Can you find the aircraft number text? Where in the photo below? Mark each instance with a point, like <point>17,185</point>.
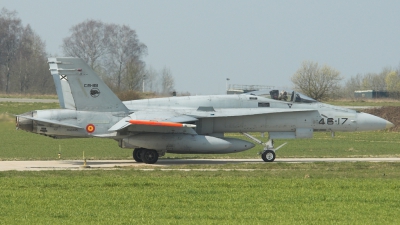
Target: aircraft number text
<point>331,121</point>
<point>91,85</point>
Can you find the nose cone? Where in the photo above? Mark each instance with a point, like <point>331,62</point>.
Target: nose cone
<point>389,124</point>
<point>367,122</point>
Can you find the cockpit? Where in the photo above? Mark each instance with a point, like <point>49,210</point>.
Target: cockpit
<point>284,95</point>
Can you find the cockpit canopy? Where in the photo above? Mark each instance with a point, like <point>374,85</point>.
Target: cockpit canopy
<point>283,95</point>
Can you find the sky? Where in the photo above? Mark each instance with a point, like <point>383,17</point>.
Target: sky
<point>251,42</point>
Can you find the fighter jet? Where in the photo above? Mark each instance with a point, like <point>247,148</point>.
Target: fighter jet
<point>186,125</point>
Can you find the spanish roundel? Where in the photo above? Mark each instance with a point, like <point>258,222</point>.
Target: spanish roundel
<point>90,128</point>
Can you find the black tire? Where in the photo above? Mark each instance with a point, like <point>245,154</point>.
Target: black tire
<point>268,156</point>
<point>136,154</point>
<point>149,156</point>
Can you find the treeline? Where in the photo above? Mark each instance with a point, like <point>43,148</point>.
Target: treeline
<point>325,82</point>
<point>116,53</point>
<point>113,51</point>
<point>386,80</point>
<point>23,59</point>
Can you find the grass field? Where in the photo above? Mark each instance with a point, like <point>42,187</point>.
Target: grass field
<point>14,108</point>
<point>319,193</point>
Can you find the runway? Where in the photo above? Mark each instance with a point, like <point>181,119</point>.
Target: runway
<point>162,164</point>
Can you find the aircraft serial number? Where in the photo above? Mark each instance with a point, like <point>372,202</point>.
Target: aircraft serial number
<point>331,121</point>
<point>91,85</point>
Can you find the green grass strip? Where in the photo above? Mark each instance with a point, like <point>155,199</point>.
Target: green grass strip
<point>287,196</point>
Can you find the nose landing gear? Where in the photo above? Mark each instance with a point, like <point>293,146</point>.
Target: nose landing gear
<point>268,154</point>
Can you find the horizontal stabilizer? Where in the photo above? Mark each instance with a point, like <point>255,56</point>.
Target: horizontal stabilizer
<point>50,121</point>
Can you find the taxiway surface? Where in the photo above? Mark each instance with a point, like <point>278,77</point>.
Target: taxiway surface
<point>28,100</point>
<point>163,163</point>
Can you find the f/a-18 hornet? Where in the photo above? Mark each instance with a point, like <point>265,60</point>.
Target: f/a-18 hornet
<point>186,125</point>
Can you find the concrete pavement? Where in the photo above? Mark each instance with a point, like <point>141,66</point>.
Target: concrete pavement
<point>29,100</point>
<point>163,163</point>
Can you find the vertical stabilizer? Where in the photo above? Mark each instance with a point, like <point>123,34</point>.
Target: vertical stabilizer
<point>80,88</point>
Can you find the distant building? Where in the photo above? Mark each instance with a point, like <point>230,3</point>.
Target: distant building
<point>371,94</point>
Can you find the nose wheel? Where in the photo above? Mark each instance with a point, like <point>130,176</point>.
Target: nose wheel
<point>268,156</point>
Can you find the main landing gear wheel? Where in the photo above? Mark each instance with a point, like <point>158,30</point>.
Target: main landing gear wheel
<point>268,156</point>
<point>149,156</point>
<point>136,154</point>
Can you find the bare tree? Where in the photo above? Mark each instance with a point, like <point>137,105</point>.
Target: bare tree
<point>23,60</point>
<point>108,48</point>
<point>88,41</point>
<point>124,47</point>
<point>135,73</point>
<point>38,67</point>
<point>10,33</point>
<point>379,80</point>
<point>315,81</point>
<point>352,85</point>
<point>393,84</point>
<point>24,55</point>
<point>151,83</point>
<point>167,81</point>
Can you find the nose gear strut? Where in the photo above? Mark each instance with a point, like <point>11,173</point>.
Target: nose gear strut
<point>268,154</point>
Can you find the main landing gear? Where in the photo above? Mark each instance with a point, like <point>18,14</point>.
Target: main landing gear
<point>136,154</point>
<point>268,154</point>
<point>148,156</point>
